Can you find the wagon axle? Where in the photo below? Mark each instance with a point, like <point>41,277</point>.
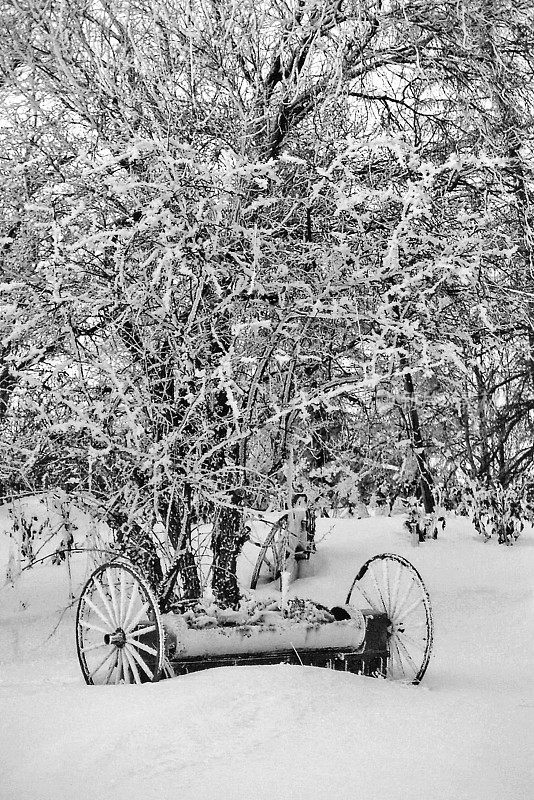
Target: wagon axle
<point>117,638</point>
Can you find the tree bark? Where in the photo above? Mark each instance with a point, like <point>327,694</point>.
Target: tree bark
<point>485,459</point>
<point>228,539</point>
<point>464,417</point>
<point>178,515</point>
<point>426,481</point>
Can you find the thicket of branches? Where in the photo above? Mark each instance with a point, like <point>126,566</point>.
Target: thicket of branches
<point>234,232</point>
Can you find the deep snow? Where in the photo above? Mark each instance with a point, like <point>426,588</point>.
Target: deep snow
<point>280,732</point>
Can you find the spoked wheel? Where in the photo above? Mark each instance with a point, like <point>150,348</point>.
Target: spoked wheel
<point>119,633</point>
<point>274,552</point>
<point>389,583</point>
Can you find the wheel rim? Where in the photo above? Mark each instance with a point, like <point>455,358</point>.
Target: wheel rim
<point>271,558</point>
<point>389,583</point>
<point>119,633</point>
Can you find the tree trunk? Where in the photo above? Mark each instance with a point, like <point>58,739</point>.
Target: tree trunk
<point>178,515</point>
<point>7,384</point>
<point>228,539</point>
<point>484,471</point>
<point>464,417</point>
<point>228,536</point>
<point>426,481</point>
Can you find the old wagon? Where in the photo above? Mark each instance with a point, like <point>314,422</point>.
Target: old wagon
<point>383,627</point>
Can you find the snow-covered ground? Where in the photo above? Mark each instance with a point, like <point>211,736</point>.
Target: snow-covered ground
<point>281,732</point>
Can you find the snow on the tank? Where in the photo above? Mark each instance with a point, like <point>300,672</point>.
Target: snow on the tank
<point>259,627</point>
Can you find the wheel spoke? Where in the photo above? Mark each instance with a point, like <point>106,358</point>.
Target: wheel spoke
<point>131,604</point>
<point>142,646</point>
<point>105,602</point>
<point>400,643</point>
<point>399,657</point>
<point>393,659</point>
<point>110,670</point>
<point>101,664</point>
<point>113,594</point>
<point>140,661</point>
<point>404,613</point>
<point>275,543</point>
<point>417,626</point>
<point>93,627</point>
<point>405,637</point>
<point>138,616</point>
<point>385,576</point>
<point>125,665</point>
<point>399,606</point>
<point>119,667</point>
<point>93,647</point>
<point>271,565</point>
<point>395,592</point>
<point>133,666</point>
<point>122,597</point>
<point>97,611</point>
<point>141,631</point>
<point>377,587</point>
<point>364,595</point>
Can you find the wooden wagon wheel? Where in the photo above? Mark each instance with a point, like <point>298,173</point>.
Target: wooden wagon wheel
<point>278,549</point>
<point>389,583</point>
<point>273,554</point>
<point>119,633</point>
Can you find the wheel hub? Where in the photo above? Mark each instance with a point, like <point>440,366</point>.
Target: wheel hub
<point>118,638</point>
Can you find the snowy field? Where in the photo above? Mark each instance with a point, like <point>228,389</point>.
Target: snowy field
<point>282,732</point>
